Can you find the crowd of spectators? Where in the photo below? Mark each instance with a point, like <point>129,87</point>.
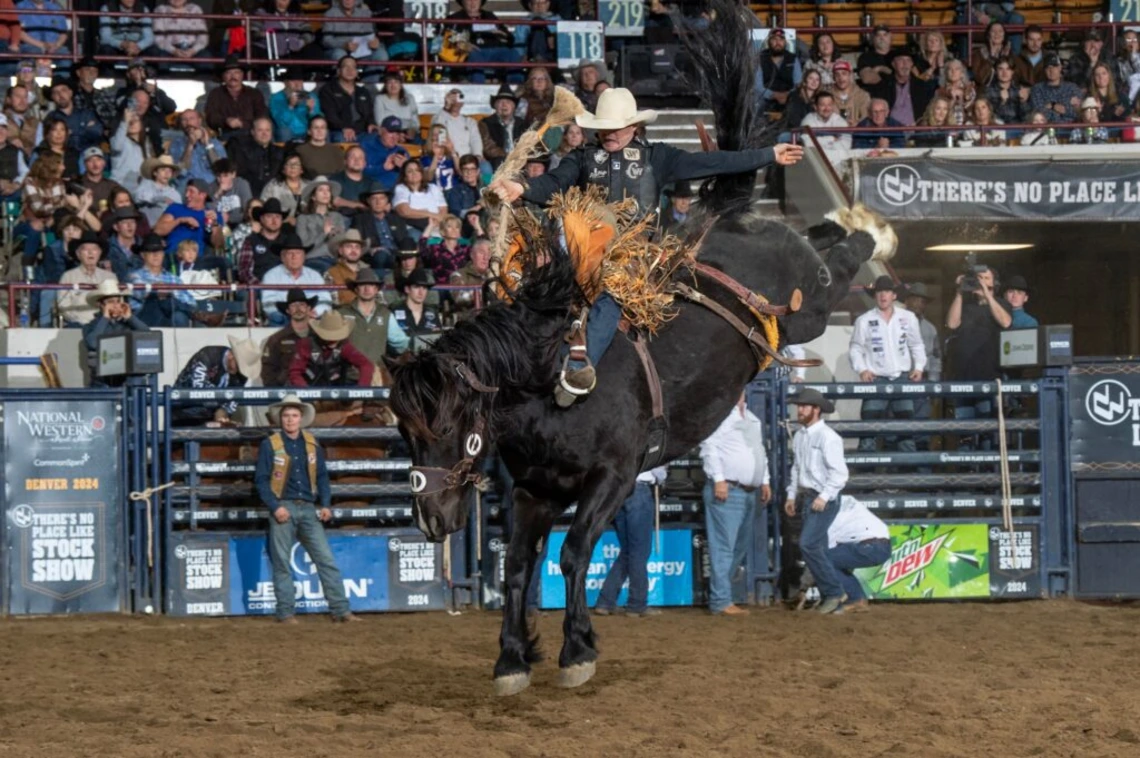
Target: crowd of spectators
<point>1002,82</point>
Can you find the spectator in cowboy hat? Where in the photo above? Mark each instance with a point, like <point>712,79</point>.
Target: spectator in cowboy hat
<point>349,247</point>
<point>232,108</point>
<point>291,272</point>
<point>503,128</point>
<point>113,315</point>
<point>257,256</point>
<point>383,231</point>
<point>407,261</point>
<point>278,351</point>
<point>74,305</point>
<point>156,190</point>
<point>124,241</point>
<point>324,358</point>
<point>587,76</point>
<point>292,480</point>
<point>819,474</point>
<point>420,321</point>
<point>217,367</point>
<point>319,222</point>
<point>680,198</point>
<point>1016,293</point>
<point>375,332</point>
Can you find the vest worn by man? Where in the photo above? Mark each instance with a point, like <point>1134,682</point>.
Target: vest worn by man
<point>9,162</point>
<point>281,462</point>
<point>625,173</point>
<point>326,364</point>
<point>778,77</point>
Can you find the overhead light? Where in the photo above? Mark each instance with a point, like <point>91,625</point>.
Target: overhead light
<point>981,247</point>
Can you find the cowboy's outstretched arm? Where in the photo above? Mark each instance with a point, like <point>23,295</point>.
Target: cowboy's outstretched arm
<point>671,164</point>
<point>541,189</point>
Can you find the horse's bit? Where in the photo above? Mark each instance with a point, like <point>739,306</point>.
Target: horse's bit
<point>431,480</point>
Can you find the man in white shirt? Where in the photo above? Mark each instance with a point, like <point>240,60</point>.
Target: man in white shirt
<point>856,539</point>
<point>634,526</point>
<point>292,272</point>
<point>463,131</point>
<point>819,474</point>
<point>736,466</point>
<point>825,115</point>
<point>886,346</point>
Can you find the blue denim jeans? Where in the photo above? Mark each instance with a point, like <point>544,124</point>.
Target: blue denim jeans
<point>304,527</point>
<point>491,55</point>
<point>634,526</point>
<point>727,530</point>
<point>849,556</point>
<point>813,545</point>
<point>601,326</point>
<point>879,408</point>
<point>972,409</point>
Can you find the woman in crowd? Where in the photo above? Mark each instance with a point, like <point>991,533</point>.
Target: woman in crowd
<point>1010,101</point>
<point>395,100</point>
<point>283,22</point>
<point>156,188</point>
<point>130,148</point>
<point>937,114</point>
<point>1091,133</point>
<point>440,162</point>
<point>1128,64</point>
<point>53,261</point>
<point>537,97</point>
<point>1112,105</point>
<point>994,48</point>
<point>38,103</point>
<point>932,57</point>
<point>121,198</point>
<point>288,187</point>
<point>416,201</point>
<point>132,36</point>
<point>824,54</point>
<point>982,114</point>
<point>958,89</point>
<point>572,138</point>
<point>320,222</point>
<point>447,253</point>
<point>800,101</point>
<point>586,80</point>
<point>1040,136</point>
<point>55,142</point>
<point>44,193</point>
<point>229,192</point>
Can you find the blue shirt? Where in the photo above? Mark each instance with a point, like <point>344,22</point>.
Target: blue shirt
<point>444,172</point>
<point>375,155</point>
<point>460,197</point>
<point>1022,320</point>
<point>143,276</point>
<point>297,484</point>
<point>42,28</point>
<point>291,123</point>
<point>200,164</point>
<point>184,232</point>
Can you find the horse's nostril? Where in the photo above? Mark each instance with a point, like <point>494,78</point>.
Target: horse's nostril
<point>435,524</point>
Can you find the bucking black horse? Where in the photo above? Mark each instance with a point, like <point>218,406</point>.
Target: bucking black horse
<point>490,380</point>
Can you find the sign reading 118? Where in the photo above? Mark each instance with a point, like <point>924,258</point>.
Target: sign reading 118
<point>579,41</point>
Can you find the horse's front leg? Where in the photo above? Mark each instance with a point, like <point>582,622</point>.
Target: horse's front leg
<point>517,648</point>
<point>596,508</point>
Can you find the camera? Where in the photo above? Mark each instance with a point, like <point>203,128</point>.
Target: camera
<point>970,281</point>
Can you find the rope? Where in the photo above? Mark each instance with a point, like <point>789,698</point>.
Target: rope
<point>1003,448</point>
<point>145,495</point>
<point>657,517</point>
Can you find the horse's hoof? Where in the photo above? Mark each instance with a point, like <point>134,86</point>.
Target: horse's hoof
<point>511,684</point>
<point>576,675</point>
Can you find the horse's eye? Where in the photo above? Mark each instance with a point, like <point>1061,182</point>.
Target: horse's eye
<point>447,431</point>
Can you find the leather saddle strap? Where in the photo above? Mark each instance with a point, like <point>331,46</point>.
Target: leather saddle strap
<point>651,376</point>
<point>754,336</point>
<point>746,295</point>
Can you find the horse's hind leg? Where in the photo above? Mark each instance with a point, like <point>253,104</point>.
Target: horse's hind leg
<point>596,508</point>
<point>517,647</point>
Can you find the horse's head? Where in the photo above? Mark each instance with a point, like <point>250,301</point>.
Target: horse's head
<point>444,412</point>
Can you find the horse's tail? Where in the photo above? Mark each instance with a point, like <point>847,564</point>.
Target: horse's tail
<point>725,62</point>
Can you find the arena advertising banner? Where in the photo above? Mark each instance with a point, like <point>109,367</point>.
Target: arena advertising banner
<point>923,188</point>
<point>63,502</point>
<point>673,577</point>
<point>1105,412</point>
<point>956,561</point>
<point>212,574</point>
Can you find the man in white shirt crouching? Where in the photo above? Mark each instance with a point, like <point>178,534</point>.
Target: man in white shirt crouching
<point>819,474</point>
<point>736,467</point>
<point>857,539</point>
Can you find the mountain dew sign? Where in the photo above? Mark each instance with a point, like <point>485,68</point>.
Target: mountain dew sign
<point>934,561</point>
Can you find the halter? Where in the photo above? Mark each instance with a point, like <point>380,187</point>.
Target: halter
<point>431,480</point>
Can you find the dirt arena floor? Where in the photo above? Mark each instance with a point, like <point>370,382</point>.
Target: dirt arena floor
<point>1027,679</point>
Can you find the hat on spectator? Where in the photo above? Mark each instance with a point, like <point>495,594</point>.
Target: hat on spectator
<point>122,214</point>
<point>333,327</point>
<point>680,189</point>
<point>407,252</point>
<point>616,109</point>
<point>1090,104</point>
<point>505,93</point>
<point>812,397</point>
<point>272,205</point>
<point>365,276</point>
<point>392,124</point>
<point>58,81</point>
<point>87,238</point>
<point>248,356</point>
<point>288,241</point>
<point>307,193</point>
<point>87,61</point>
<point>294,74</point>
<point>94,152</point>
<point>200,185</point>
<point>352,235</point>
<point>296,295</point>
<point>840,65</point>
<point>152,242</point>
<point>136,63</point>
<point>917,289</point>
<point>1093,34</point>
<point>883,284</point>
<point>150,165</point>
<point>376,188</point>
<point>1052,59</point>
<point>598,66</point>
<point>231,63</point>
<point>1016,282</point>
<point>107,288</point>
<point>778,33</point>
<point>882,28</point>
<point>421,277</point>
<point>308,412</point>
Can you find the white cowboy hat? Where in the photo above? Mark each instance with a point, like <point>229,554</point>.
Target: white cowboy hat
<point>247,355</point>
<point>333,327</point>
<point>616,110</point>
<point>107,288</point>
<point>308,412</point>
<point>150,165</point>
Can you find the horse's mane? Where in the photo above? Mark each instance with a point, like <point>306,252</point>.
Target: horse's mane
<point>511,345</point>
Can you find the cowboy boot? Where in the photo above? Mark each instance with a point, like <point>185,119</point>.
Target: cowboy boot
<point>578,377</point>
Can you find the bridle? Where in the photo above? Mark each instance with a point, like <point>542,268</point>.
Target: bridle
<point>431,480</point>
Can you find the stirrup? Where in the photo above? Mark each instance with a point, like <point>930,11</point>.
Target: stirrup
<point>576,391</point>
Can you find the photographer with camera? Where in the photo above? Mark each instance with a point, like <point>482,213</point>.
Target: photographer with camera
<point>976,319</point>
